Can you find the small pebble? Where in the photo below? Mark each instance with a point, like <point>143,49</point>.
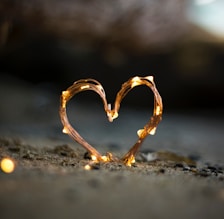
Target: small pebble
<point>186,168</point>
<point>87,156</point>
<point>212,168</point>
<point>178,165</point>
<point>162,170</point>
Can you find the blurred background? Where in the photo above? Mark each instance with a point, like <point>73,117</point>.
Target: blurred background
<point>46,45</point>
<point>53,43</point>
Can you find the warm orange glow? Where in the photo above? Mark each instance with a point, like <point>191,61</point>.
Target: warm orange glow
<point>65,131</point>
<point>105,158</point>
<point>140,132</point>
<point>87,167</point>
<point>158,110</point>
<point>93,157</point>
<point>84,87</point>
<point>130,160</point>
<point>91,84</point>
<point>66,93</point>
<point>153,131</point>
<point>7,165</point>
<point>150,78</point>
<point>135,82</point>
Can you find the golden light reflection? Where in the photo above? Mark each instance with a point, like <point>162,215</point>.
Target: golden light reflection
<point>66,94</point>
<point>87,167</point>
<point>140,132</point>
<point>135,82</point>
<point>158,110</point>
<point>91,84</point>
<point>93,157</point>
<point>150,78</point>
<point>65,131</point>
<point>153,131</point>
<point>7,165</point>
<point>84,87</point>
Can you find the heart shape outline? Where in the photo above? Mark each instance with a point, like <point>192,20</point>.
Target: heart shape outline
<point>92,84</point>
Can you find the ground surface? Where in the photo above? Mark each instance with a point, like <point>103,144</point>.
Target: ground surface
<point>182,178</point>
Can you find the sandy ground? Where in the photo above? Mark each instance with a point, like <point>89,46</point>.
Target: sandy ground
<point>185,180</point>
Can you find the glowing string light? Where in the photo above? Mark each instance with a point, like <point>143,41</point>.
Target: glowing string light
<point>91,84</point>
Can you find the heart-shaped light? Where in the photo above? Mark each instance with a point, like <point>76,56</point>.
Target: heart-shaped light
<point>91,84</point>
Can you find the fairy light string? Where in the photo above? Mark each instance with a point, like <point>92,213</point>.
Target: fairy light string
<point>91,84</point>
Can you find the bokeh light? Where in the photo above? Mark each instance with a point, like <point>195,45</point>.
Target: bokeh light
<point>7,165</point>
